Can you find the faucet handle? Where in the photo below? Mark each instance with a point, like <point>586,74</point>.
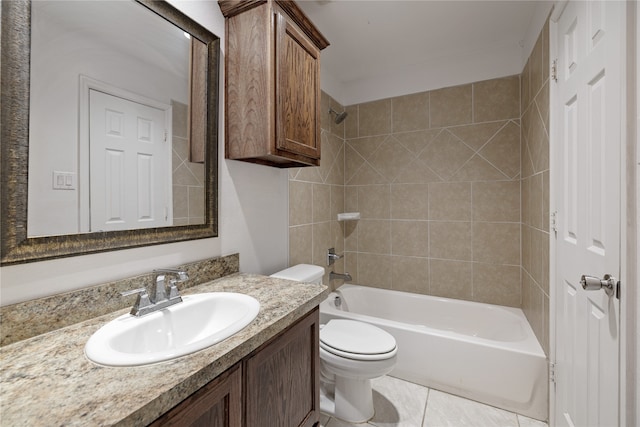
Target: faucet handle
<point>133,291</point>
<point>332,256</point>
<point>173,290</point>
<point>142,301</point>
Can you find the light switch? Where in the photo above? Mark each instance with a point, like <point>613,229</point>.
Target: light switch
<point>64,180</point>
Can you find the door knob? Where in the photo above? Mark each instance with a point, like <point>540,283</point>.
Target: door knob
<point>590,283</point>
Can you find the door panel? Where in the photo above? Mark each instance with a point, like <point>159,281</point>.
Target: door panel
<point>588,201</point>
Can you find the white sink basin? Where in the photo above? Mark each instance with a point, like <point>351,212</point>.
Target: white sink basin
<point>199,321</point>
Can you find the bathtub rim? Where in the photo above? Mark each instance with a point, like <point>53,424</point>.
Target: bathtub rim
<point>530,345</point>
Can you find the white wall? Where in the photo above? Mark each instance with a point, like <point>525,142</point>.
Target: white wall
<point>253,218</point>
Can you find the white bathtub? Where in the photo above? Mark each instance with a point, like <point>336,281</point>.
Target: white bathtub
<point>483,352</point>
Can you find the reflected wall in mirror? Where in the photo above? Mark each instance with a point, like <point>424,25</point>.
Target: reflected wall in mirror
<point>115,121</point>
<point>108,124</point>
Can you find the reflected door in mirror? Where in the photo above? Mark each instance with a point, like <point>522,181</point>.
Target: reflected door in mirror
<point>130,164</point>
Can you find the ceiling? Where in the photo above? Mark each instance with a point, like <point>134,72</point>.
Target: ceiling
<point>389,43</point>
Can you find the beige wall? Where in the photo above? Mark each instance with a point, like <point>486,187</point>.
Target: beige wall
<point>535,188</point>
<point>453,190</point>
<point>436,178</point>
<point>316,196</point>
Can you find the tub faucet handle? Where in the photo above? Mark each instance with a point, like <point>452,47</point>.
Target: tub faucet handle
<point>332,256</point>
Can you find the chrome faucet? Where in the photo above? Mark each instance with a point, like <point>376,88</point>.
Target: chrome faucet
<point>145,304</point>
<point>345,276</point>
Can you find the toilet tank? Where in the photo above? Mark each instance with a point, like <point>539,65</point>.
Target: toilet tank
<point>302,273</point>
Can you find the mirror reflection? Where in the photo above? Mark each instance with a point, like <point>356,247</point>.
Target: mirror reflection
<point>117,120</point>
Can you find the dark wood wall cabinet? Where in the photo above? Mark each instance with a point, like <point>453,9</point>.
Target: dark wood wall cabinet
<point>277,385</point>
<point>272,83</point>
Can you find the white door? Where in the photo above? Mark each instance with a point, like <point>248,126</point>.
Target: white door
<point>130,165</point>
<point>588,148</point>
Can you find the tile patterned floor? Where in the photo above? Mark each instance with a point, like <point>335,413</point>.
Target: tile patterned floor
<point>402,404</point>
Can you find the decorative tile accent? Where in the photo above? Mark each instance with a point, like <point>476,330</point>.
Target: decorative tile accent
<point>477,135</point>
<point>390,159</point>
<point>416,142</point>
<point>446,154</point>
<point>413,182</point>
<point>503,150</point>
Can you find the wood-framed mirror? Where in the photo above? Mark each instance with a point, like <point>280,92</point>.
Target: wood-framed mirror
<point>32,223</point>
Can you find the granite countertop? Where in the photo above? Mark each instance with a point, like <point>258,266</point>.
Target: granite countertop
<point>47,380</point>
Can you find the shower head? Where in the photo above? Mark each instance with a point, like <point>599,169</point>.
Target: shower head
<point>339,116</point>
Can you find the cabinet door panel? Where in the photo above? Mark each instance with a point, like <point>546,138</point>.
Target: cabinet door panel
<point>282,378</point>
<point>217,404</point>
<point>298,94</point>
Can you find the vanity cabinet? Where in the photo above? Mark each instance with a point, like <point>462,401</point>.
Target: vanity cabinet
<point>219,404</point>
<point>276,385</point>
<point>282,378</point>
<point>272,83</point>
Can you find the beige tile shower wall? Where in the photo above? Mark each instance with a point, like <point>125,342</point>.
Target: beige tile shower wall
<point>188,177</point>
<point>535,188</point>
<point>316,196</point>
<point>436,179</point>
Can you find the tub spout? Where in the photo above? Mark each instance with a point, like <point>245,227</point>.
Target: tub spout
<point>346,276</point>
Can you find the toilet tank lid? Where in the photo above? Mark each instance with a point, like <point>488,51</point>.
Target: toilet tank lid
<point>301,273</point>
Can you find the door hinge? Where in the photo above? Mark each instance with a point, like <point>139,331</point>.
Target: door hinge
<point>552,373</point>
<point>554,221</point>
<point>554,70</point>
<point>165,135</point>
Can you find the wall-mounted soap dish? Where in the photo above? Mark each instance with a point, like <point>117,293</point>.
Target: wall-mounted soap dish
<point>349,216</point>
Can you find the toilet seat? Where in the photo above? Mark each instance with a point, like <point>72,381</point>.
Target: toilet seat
<point>357,340</point>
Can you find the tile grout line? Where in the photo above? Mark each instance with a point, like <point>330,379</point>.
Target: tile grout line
<point>426,405</point>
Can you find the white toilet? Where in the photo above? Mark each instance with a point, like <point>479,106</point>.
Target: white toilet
<point>352,353</point>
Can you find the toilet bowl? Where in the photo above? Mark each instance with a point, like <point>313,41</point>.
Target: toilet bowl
<point>352,353</point>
